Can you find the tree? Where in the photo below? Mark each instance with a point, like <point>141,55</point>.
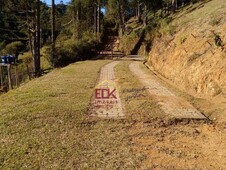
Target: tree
<point>138,11</point>
<point>116,11</point>
<point>174,5</point>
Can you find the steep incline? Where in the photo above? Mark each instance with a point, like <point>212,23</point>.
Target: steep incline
<point>192,56</point>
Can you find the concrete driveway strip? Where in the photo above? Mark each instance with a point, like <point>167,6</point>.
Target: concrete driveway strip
<point>171,104</point>
<point>106,102</point>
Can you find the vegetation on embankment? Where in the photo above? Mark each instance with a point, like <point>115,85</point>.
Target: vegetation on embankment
<point>137,39</point>
<point>193,53</point>
<point>43,124</point>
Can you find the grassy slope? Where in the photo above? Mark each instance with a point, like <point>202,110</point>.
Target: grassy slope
<point>198,13</point>
<point>43,125</point>
<point>186,53</point>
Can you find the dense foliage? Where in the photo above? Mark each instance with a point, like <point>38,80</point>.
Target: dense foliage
<point>79,25</point>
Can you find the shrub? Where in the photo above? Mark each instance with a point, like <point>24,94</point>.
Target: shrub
<point>183,39</point>
<point>166,27</point>
<point>215,21</point>
<point>14,48</point>
<point>2,46</point>
<point>73,50</point>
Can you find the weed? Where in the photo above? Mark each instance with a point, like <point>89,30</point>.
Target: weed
<point>215,21</point>
<point>183,39</point>
<point>166,27</point>
<point>217,40</point>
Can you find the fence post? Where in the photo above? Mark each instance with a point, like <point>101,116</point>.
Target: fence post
<point>1,76</point>
<point>9,76</point>
<point>17,77</point>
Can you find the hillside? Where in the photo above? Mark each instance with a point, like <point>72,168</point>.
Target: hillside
<point>187,49</point>
<point>189,56</point>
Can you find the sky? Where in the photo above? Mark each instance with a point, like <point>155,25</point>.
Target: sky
<point>56,1</point>
<point>65,2</point>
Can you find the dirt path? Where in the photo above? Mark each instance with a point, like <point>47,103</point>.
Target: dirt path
<point>171,104</point>
<point>106,102</point>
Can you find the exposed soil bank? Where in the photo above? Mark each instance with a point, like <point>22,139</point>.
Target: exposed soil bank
<point>190,57</point>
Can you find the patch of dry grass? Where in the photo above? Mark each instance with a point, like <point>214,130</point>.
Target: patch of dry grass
<point>198,12</point>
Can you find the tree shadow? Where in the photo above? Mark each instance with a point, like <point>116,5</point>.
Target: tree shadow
<point>138,44</point>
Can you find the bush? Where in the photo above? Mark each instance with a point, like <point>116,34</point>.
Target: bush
<point>2,46</point>
<point>165,27</point>
<point>73,50</point>
<point>14,48</point>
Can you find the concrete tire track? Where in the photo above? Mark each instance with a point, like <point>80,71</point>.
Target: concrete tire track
<point>107,108</point>
<point>171,104</point>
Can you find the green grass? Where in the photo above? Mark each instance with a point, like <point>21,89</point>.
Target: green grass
<point>138,103</point>
<point>43,125</point>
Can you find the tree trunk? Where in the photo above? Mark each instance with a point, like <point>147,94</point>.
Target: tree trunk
<point>90,18</point>
<point>29,30</point>
<point>95,17</point>
<point>78,20</point>
<point>138,11</point>
<point>183,3</point>
<point>9,76</point>
<point>98,16</point>
<point>53,27</point>
<point>145,15</point>
<point>34,37</point>
<point>121,16</point>
<point>74,24</point>
<point>174,5</point>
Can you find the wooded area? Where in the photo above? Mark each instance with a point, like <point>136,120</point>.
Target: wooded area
<point>69,32</point>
